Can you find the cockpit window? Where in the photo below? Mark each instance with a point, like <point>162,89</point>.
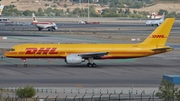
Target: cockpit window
<point>11,49</point>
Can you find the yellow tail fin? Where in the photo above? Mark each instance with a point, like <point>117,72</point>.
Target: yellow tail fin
<point>160,34</point>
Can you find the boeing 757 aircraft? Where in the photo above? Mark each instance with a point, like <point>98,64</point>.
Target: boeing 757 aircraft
<point>155,22</point>
<point>51,26</point>
<point>78,53</point>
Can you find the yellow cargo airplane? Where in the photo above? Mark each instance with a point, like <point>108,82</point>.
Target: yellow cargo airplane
<point>78,53</point>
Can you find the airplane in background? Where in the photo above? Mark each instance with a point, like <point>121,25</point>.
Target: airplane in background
<point>3,20</point>
<point>155,22</point>
<point>51,26</point>
<point>81,22</point>
<point>1,9</point>
<point>78,53</point>
<point>85,22</point>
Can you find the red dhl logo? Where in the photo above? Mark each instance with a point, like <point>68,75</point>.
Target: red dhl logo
<point>41,51</point>
<point>158,36</point>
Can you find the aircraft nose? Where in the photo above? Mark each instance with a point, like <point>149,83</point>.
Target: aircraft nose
<point>6,54</point>
<point>55,27</point>
<point>10,54</point>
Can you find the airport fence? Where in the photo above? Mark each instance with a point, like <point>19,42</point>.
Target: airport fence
<point>10,95</point>
<point>102,97</point>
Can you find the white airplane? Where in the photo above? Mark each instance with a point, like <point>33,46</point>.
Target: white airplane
<point>3,20</point>
<point>155,22</point>
<point>51,26</point>
<point>85,22</point>
<point>81,22</point>
<point>1,9</point>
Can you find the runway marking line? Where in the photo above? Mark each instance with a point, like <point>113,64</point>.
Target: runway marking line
<point>17,38</point>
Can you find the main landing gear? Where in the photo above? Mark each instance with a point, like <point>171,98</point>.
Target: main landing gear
<point>39,29</point>
<point>91,63</point>
<point>51,29</point>
<point>24,60</point>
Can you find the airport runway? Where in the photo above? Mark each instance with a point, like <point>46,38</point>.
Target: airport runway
<point>116,28</point>
<point>144,72</point>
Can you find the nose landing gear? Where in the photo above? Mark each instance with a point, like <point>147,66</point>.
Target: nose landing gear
<point>24,60</point>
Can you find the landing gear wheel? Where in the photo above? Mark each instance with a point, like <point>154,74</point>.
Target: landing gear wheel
<point>24,60</point>
<point>89,65</point>
<point>52,29</point>
<point>94,65</point>
<point>39,29</point>
<point>25,65</point>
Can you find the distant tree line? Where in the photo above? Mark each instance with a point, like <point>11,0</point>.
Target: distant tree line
<point>169,14</point>
<point>83,12</point>
<point>119,3</point>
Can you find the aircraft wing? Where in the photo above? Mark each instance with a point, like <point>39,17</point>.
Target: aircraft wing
<point>93,55</point>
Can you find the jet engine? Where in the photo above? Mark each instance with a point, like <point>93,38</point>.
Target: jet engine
<point>74,59</point>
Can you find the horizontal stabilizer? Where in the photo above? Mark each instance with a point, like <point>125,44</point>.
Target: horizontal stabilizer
<point>159,49</point>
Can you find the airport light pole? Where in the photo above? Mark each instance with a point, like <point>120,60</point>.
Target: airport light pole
<point>79,3</point>
<point>88,10</point>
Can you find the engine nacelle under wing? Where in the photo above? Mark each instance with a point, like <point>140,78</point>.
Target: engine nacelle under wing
<point>74,59</point>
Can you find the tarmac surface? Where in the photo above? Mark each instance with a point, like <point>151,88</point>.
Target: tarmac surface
<point>142,72</point>
<point>116,28</point>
